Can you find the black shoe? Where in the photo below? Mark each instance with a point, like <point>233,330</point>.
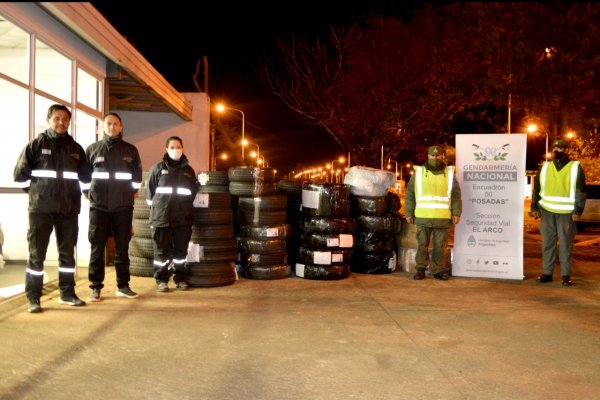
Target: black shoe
<point>543,278</point>
<point>71,300</point>
<point>441,276</point>
<point>95,295</point>
<point>420,274</point>
<point>126,292</point>
<point>566,280</point>
<point>34,307</point>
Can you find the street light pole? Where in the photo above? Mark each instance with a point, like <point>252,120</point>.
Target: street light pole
<point>341,160</point>
<point>221,108</point>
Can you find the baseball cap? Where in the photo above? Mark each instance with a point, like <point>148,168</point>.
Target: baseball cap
<point>435,151</point>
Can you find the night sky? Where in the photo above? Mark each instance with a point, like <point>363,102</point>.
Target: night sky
<point>233,36</point>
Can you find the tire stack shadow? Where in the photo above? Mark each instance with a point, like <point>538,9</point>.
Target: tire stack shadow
<point>213,248</point>
<point>327,238</point>
<point>293,192</point>
<point>377,224</point>
<point>263,230</point>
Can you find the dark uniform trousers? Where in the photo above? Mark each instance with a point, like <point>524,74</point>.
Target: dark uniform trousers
<point>102,224</point>
<point>555,227</point>
<point>66,229</point>
<point>439,239</point>
<point>165,238</point>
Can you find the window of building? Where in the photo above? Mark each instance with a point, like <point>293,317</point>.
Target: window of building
<point>14,114</point>
<point>88,90</point>
<point>14,51</point>
<point>53,82</point>
<point>53,72</point>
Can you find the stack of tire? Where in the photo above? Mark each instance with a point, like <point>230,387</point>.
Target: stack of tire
<point>378,222</point>
<point>213,248</point>
<point>141,252</point>
<point>261,216</point>
<point>325,251</point>
<point>293,192</point>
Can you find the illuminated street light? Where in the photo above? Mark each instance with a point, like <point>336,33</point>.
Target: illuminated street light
<point>221,108</point>
<point>532,128</point>
<point>340,160</point>
<point>253,154</point>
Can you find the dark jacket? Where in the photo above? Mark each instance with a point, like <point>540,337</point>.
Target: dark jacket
<point>54,164</point>
<point>171,209</point>
<point>114,156</point>
<point>580,193</point>
<point>410,202</point>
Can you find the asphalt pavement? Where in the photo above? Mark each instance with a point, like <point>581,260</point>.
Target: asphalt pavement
<point>364,337</point>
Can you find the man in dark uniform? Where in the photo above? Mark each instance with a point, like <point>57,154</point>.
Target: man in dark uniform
<point>559,199</point>
<point>116,178</point>
<point>433,202</point>
<point>53,164</point>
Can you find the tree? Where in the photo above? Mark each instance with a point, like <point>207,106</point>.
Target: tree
<point>400,84</point>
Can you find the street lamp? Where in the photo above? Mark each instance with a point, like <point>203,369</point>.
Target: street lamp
<point>340,160</point>
<point>257,154</point>
<point>532,128</point>
<point>221,108</point>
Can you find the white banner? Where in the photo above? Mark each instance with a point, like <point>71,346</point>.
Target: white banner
<point>488,241</point>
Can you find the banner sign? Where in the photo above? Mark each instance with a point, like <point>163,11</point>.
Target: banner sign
<point>488,240</point>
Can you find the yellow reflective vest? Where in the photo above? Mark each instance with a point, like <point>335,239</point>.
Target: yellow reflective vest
<point>433,193</point>
<point>557,188</point>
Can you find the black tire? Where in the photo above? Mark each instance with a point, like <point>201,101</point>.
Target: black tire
<point>328,225</point>
<point>258,218</point>
<point>141,228</point>
<point>322,272</point>
<point>213,216</point>
<point>213,200</point>
<point>291,188</point>
<point>141,247</point>
<point>139,266</point>
<point>267,272</point>
<point>256,246</point>
<point>264,203</point>
<point>328,240</point>
<point>280,231</point>
<point>278,257</point>
<point>211,275</point>
<point>375,242</point>
<point>213,178</point>
<point>374,263</point>
<point>250,174</point>
<point>378,223</point>
<point>251,189</point>
<point>319,257</point>
<point>211,232</point>
<point>375,205</point>
<point>325,200</point>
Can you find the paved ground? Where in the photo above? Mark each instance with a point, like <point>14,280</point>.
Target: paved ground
<point>365,337</point>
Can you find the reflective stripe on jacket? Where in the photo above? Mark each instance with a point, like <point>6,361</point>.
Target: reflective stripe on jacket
<point>117,174</point>
<point>52,166</point>
<point>170,191</point>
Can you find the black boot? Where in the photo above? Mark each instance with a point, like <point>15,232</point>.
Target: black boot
<point>543,278</point>
<point>420,274</point>
<point>566,280</point>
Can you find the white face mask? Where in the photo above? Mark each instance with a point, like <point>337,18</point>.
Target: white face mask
<point>175,154</point>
